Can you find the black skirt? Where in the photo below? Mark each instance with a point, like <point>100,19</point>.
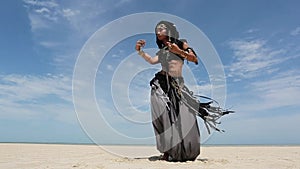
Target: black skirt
<point>175,125</point>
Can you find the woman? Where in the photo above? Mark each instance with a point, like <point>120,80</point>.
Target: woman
<point>173,107</point>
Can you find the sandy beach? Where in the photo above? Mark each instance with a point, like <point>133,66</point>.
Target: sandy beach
<point>56,156</point>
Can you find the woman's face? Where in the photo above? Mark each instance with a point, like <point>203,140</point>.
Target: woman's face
<point>161,32</point>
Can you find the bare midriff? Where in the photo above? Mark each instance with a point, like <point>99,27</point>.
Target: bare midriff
<point>174,68</point>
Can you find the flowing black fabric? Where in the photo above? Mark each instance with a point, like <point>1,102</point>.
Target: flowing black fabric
<point>174,110</point>
<point>175,127</point>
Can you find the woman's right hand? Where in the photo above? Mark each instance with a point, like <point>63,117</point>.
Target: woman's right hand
<point>139,44</point>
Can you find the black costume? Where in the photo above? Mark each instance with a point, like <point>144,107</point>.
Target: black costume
<point>174,108</point>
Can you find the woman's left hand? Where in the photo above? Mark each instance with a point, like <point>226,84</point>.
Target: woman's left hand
<point>173,48</point>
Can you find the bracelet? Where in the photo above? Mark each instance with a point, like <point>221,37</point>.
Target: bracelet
<point>141,52</point>
<point>184,54</point>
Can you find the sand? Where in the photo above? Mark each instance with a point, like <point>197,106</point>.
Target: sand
<point>43,156</point>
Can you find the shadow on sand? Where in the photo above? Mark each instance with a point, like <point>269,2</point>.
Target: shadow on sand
<point>158,158</point>
<point>152,158</point>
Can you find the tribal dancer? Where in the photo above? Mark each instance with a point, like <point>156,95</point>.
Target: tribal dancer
<point>173,106</point>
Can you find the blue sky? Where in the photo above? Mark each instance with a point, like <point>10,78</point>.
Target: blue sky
<point>257,42</point>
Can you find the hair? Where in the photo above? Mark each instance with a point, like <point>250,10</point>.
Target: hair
<point>172,33</point>
<point>183,40</point>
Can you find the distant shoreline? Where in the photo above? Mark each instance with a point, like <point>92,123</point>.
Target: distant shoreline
<point>204,145</point>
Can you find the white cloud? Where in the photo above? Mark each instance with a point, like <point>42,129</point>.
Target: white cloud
<point>259,129</point>
<point>42,12</point>
<point>281,90</point>
<point>122,2</point>
<point>28,87</point>
<point>49,3</point>
<point>266,95</point>
<point>36,22</point>
<point>252,30</point>
<point>110,67</point>
<point>266,105</point>
<point>50,12</point>
<point>85,18</point>
<point>49,44</point>
<point>64,26</point>
<point>28,96</point>
<point>68,13</point>
<point>253,57</point>
<point>295,32</point>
